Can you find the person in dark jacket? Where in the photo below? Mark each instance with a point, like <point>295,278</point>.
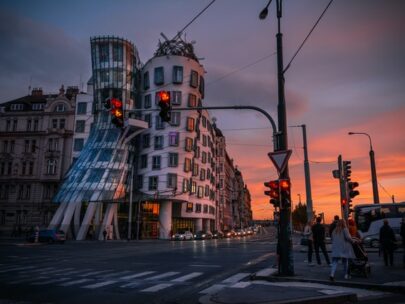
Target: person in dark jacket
<point>402,233</point>
<point>333,225</point>
<point>387,243</point>
<point>318,234</point>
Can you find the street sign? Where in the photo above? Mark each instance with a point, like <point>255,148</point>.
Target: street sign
<point>280,159</point>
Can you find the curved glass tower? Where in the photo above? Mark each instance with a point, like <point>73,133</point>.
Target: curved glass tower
<point>99,180</point>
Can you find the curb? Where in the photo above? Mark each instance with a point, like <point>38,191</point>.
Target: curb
<point>371,286</point>
<point>327,299</point>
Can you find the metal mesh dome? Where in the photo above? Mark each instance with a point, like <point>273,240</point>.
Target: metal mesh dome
<point>176,46</point>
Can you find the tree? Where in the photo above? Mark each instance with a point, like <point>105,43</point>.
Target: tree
<point>299,216</point>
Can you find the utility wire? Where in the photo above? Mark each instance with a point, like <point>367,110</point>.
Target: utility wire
<point>385,190</point>
<point>306,38</point>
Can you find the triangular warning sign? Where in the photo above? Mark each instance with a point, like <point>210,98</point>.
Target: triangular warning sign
<point>280,159</point>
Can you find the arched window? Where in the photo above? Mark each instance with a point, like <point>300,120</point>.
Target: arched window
<point>60,107</point>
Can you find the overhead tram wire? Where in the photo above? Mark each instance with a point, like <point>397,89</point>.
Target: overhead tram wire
<point>306,38</point>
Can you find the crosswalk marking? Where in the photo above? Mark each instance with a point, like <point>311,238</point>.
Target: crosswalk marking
<point>73,272</point>
<point>241,285</point>
<point>94,272</point>
<point>75,282</point>
<point>55,270</point>
<point>16,269</point>
<point>187,277</point>
<point>130,285</point>
<point>266,272</point>
<point>237,277</point>
<point>27,280</point>
<point>101,284</point>
<point>115,274</point>
<point>137,275</point>
<point>213,289</point>
<point>157,287</point>
<point>163,275</point>
<point>50,281</point>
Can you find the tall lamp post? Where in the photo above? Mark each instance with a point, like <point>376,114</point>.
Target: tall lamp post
<point>373,169</point>
<point>284,246</point>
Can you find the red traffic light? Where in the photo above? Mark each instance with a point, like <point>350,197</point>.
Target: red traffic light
<point>117,112</point>
<point>285,184</point>
<point>164,96</point>
<point>116,103</point>
<point>344,202</point>
<point>274,189</point>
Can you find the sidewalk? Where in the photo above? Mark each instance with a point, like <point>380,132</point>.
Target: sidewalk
<point>311,284</point>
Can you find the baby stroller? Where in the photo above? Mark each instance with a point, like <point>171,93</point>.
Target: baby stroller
<point>359,265</point>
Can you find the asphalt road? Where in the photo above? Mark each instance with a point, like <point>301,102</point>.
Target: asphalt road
<point>147,271</point>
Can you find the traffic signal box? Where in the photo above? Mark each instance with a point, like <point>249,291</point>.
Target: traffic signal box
<point>165,105</point>
<point>279,191</point>
<point>285,192</point>
<point>117,113</point>
<point>273,192</point>
<point>352,193</point>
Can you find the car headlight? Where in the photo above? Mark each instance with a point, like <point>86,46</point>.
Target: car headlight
<point>203,235</point>
<point>195,235</point>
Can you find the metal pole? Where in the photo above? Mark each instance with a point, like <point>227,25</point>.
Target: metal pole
<point>343,192</point>
<point>310,211</point>
<point>374,176</point>
<point>138,219</point>
<point>130,204</point>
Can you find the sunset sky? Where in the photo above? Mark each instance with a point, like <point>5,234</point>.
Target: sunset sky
<point>349,76</point>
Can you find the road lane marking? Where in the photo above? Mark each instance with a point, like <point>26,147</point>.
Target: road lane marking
<point>163,275</point>
<point>94,272</point>
<point>266,272</point>
<point>187,277</point>
<point>137,275</point>
<point>241,285</point>
<point>50,281</point>
<point>101,284</point>
<point>157,287</point>
<point>74,282</point>
<point>213,289</point>
<point>202,265</point>
<point>237,277</point>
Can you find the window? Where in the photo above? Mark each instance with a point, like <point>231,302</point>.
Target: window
<point>204,157</point>
<point>12,145</point>
<point>139,182</point>
<point>200,192</point>
<point>204,122</point>
<point>51,166</point>
<point>144,161</point>
<point>62,123</point>
<point>159,123</point>
<point>159,78</point>
<point>5,146</point>
<point>26,146</point>
<point>81,108</point>
<point>198,208</point>
<point>36,125</point>
<point>80,126</point>
<point>195,169</point>
<point>105,155</point>
<point>177,74</point>
<point>104,76</point>
<point>60,107</point>
<point>208,174</point>
<point>207,190</point>
<point>31,168</point>
<point>146,140</point>
<point>17,107</point>
<point>202,86</point>
<point>202,174</point>
<point>187,164</point>
<point>192,100</point>
<point>205,209</point>
<point>194,79</point>
<point>15,125</point>
<point>146,83</point>
<point>148,119</point>
<point>104,52</point>
<point>197,151</point>
<point>189,144</point>
<point>54,123</point>
<point>185,185</point>
<point>29,124</point>
<point>117,76</point>
<point>78,144</point>
<point>193,187</point>
<point>189,207</point>
<point>9,166</point>
<point>38,106</point>
<point>175,119</point>
<point>8,125</point>
<point>23,167</point>
<point>204,142</point>
<point>159,142</point>
<point>148,101</point>
<point>156,162</point>
<point>173,138</point>
<point>2,168</point>
<point>117,52</point>
<point>153,182</point>
<point>172,180</point>
<point>176,98</point>
<point>95,175</point>
<point>33,146</point>
<point>173,160</point>
<point>190,124</point>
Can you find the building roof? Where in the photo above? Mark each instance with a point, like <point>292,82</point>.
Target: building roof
<point>175,46</point>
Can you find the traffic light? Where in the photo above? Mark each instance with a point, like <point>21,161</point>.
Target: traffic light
<point>165,105</point>
<point>343,202</point>
<point>107,103</point>
<point>274,192</point>
<point>351,186</point>
<point>117,112</point>
<point>285,192</point>
<point>347,169</point>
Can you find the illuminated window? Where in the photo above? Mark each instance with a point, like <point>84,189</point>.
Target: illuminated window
<point>189,144</point>
<point>190,124</point>
<point>187,164</point>
<point>189,207</point>
<point>192,100</point>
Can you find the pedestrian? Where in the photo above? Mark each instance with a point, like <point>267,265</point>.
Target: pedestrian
<point>318,234</point>
<point>333,225</point>
<point>309,239</point>
<point>105,234</point>
<point>387,243</point>
<point>342,249</point>
<point>353,229</point>
<point>402,233</point>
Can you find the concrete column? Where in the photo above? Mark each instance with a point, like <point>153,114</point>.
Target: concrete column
<point>76,218</point>
<point>206,223</point>
<point>88,216</point>
<point>198,224</point>
<point>57,218</point>
<point>67,218</point>
<point>165,220</point>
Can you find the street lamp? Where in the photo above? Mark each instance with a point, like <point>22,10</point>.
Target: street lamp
<point>373,169</point>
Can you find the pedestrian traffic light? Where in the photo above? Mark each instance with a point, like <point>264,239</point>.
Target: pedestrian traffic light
<point>343,202</point>
<point>274,192</point>
<point>165,105</point>
<point>347,169</point>
<point>285,192</point>
<point>117,112</point>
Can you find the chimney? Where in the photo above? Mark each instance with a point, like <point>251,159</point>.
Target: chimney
<point>62,90</point>
<point>36,92</point>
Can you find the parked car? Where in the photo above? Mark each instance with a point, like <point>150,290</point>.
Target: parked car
<point>374,240</point>
<point>203,235</point>
<point>216,234</point>
<point>182,236</point>
<point>228,233</point>
<point>240,232</point>
<point>49,236</point>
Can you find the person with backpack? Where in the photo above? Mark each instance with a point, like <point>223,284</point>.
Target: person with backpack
<point>318,234</point>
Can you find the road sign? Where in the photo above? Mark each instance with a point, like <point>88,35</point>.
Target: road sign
<point>280,159</point>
